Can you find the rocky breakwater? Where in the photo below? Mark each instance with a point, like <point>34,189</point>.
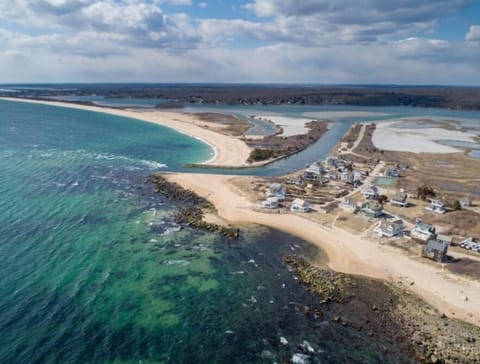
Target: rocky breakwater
<point>192,207</point>
<point>391,314</point>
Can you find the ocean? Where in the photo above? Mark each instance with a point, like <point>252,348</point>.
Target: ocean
<point>93,269</point>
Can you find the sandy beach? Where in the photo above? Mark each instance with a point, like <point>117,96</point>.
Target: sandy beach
<point>346,252</point>
<point>226,151</point>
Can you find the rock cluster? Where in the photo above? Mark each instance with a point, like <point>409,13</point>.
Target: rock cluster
<point>193,216</point>
<point>192,213</point>
<point>174,192</point>
<point>383,310</point>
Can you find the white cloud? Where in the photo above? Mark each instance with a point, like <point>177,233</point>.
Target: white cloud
<point>294,41</point>
<point>474,34</point>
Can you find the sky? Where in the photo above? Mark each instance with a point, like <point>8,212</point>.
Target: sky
<point>241,41</point>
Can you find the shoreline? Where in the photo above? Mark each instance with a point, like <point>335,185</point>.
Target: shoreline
<point>227,151</point>
<point>346,252</point>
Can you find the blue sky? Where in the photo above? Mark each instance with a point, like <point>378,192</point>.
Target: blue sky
<point>283,41</point>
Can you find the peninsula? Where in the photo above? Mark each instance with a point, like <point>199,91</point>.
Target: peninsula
<point>347,241</point>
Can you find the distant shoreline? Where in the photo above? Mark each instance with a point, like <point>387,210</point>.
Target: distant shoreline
<point>435,96</point>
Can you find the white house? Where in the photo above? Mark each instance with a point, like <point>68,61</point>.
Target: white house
<point>465,202</point>
<point>270,203</point>
<point>436,206</point>
<point>315,168</point>
<point>347,177</point>
<point>276,190</point>
<point>371,193</point>
<point>390,228</point>
<point>400,199</point>
<point>349,205</point>
<point>423,231</point>
<point>299,205</point>
<point>332,175</point>
<point>357,176</point>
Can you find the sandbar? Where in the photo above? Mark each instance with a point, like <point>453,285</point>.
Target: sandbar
<point>290,126</point>
<point>388,136</point>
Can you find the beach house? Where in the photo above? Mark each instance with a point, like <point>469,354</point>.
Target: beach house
<point>372,209</point>
<point>299,205</point>
<point>423,231</point>
<point>332,175</point>
<point>349,205</point>
<point>276,190</point>
<point>309,176</point>
<point>347,177</point>
<point>392,172</point>
<point>400,199</point>
<point>435,250</point>
<point>371,193</point>
<point>436,206</point>
<point>270,203</point>
<point>315,168</point>
<point>465,202</point>
<point>390,229</point>
<point>333,161</point>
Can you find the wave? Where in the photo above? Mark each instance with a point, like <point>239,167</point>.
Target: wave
<point>82,153</point>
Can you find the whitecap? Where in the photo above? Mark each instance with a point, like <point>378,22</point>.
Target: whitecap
<point>305,345</point>
<point>175,262</point>
<point>172,230</point>
<point>300,358</point>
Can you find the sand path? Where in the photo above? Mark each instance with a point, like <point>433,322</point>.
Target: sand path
<point>346,252</point>
<point>227,151</point>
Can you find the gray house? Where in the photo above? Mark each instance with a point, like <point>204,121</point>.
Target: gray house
<point>372,209</point>
<point>435,250</point>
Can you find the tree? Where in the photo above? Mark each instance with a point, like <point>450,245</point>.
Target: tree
<point>457,205</point>
<point>382,199</point>
<point>425,192</point>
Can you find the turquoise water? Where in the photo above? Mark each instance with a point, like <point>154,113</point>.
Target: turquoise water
<point>94,270</point>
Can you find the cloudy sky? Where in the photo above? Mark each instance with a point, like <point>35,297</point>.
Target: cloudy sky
<point>275,41</point>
